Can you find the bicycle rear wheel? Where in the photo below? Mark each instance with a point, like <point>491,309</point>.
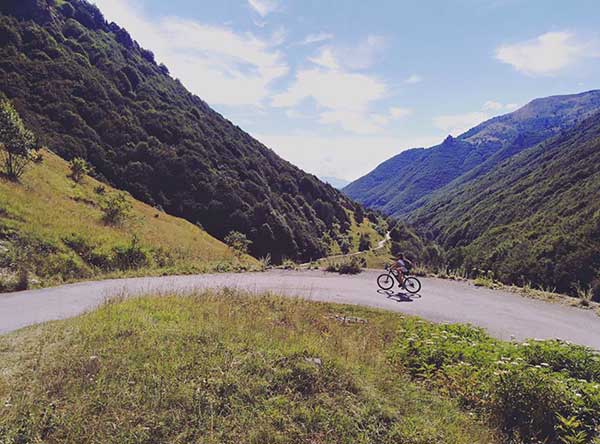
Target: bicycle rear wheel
<point>385,281</point>
<point>412,285</point>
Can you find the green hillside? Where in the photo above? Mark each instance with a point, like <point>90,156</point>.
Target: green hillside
<point>53,229</point>
<point>87,89</point>
<point>405,182</point>
<point>534,219</point>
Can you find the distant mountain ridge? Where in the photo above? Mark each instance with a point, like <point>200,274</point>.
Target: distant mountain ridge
<point>533,220</point>
<point>404,183</point>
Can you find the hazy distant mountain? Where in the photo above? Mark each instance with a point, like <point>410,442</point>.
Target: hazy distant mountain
<point>335,182</point>
<point>404,182</point>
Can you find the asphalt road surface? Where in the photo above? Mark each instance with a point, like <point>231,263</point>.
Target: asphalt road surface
<point>504,315</point>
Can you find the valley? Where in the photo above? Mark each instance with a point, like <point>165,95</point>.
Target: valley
<point>165,277</point>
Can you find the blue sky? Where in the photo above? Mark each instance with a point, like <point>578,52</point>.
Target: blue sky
<point>337,87</point>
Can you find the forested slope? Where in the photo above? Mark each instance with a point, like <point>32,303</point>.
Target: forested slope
<point>533,219</point>
<point>87,89</point>
<point>406,181</point>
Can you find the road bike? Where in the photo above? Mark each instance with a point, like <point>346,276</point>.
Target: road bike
<point>387,280</point>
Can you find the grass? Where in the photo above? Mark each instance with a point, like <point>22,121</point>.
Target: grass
<point>220,368</point>
<point>47,213</point>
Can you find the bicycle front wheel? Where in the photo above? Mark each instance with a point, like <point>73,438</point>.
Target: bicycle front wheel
<point>412,285</point>
<point>385,281</point>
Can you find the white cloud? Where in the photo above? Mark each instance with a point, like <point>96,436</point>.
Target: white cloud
<point>413,78</point>
<point>457,124</point>
<point>316,38</point>
<point>399,113</point>
<point>342,97</point>
<point>221,66</point>
<point>547,54</point>
<point>263,7</point>
<point>363,55</point>
<point>340,156</point>
<point>325,58</point>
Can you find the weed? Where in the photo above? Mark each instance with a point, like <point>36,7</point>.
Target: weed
<point>585,294</point>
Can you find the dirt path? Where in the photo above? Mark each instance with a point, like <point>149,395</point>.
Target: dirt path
<point>504,315</point>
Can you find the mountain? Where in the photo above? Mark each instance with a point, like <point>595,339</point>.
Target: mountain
<point>404,182</point>
<point>52,229</point>
<point>533,219</point>
<point>335,182</point>
<point>87,89</point>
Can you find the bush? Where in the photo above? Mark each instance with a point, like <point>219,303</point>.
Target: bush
<point>524,388</point>
<point>116,209</point>
<point>354,265</point>
<point>79,169</point>
<point>22,280</point>
<point>130,257</point>
<point>238,242</point>
<point>364,243</point>
<point>79,245</point>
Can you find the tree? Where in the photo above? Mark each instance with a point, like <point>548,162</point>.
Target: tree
<point>79,168</point>
<point>17,143</point>
<point>364,242</point>
<point>238,242</point>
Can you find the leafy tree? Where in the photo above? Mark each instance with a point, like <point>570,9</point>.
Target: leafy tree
<point>79,168</point>
<point>17,143</point>
<point>238,242</point>
<point>116,209</point>
<point>364,243</point>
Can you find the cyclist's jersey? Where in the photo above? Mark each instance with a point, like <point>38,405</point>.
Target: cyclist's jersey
<point>402,265</point>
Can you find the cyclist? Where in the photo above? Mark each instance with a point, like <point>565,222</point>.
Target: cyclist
<point>401,266</point>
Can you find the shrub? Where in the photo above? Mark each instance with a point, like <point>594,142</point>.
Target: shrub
<point>354,265</point>
<point>345,244</point>
<point>17,143</point>
<point>364,243</point>
<point>289,264</point>
<point>162,257</point>
<point>523,388</point>
<point>64,265</point>
<point>238,242</point>
<point>79,169</point>
<point>79,245</point>
<point>130,257</point>
<point>116,209</point>
<point>22,280</point>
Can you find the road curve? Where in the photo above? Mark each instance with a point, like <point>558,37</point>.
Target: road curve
<point>504,315</point>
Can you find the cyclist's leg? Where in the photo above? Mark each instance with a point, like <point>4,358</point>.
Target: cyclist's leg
<point>400,276</point>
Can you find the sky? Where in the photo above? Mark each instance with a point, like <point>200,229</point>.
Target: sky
<point>337,87</point>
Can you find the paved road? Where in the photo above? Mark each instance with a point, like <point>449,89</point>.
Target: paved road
<point>504,315</point>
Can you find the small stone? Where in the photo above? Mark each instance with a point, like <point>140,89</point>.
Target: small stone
<point>316,361</point>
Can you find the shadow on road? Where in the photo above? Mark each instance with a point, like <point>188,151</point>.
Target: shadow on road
<point>399,296</point>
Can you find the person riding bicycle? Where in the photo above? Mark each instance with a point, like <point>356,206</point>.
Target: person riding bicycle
<point>401,266</point>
